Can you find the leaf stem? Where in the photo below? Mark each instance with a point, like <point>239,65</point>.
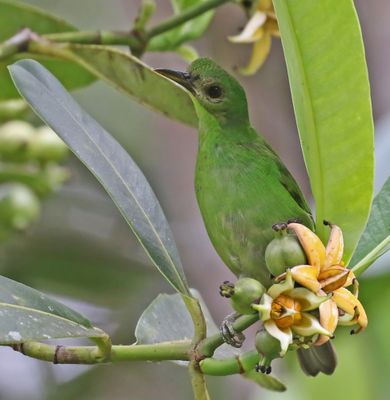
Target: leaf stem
<point>178,350</point>
<point>136,39</point>
<point>188,14</point>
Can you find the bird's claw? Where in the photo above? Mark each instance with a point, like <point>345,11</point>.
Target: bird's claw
<point>229,335</point>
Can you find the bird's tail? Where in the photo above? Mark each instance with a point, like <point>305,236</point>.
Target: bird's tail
<point>318,359</point>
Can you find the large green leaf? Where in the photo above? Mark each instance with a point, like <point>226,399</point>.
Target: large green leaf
<point>375,240</point>
<point>108,161</point>
<point>26,314</point>
<point>327,71</point>
<point>186,32</point>
<point>129,74</point>
<point>15,15</point>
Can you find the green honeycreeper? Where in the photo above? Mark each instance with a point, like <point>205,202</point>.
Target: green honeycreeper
<point>242,186</point>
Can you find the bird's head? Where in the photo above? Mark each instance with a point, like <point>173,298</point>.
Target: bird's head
<point>217,91</point>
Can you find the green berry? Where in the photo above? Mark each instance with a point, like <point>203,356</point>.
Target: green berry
<point>47,146</point>
<point>268,347</point>
<point>246,292</point>
<point>283,252</point>
<point>15,138</point>
<point>19,206</point>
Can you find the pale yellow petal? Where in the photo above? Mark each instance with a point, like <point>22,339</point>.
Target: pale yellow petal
<point>264,308</point>
<point>278,288</point>
<point>260,52</point>
<point>306,298</point>
<point>335,247</point>
<point>329,315</point>
<point>252,31</point>
<point>333,278</point>
<point>311,243</point>
<point>306,275</point>
<point>284,336</point>
<point>309,326</point>
<point>351,305</point>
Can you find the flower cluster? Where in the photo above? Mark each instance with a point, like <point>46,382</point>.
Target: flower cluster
<point>309,301</point>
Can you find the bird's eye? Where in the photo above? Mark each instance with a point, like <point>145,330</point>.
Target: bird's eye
<point>214,91</point>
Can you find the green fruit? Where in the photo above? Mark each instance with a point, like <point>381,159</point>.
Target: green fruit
<point>12,109</point>
<point>19,206</point>
<point>246,292</point>
<point>47,146</point>
<point>268,347</point>
<point>283,252</point>
<point>15,137</point>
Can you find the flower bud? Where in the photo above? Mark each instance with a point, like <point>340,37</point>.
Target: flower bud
<point>283,252</point>
<point>15,137</point>
<point>245,292</point>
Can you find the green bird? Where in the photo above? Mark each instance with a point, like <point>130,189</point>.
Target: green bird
<point>241,184</point>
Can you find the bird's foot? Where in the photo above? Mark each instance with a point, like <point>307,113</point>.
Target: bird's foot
<point>226,289</point>
<point>229,335</point>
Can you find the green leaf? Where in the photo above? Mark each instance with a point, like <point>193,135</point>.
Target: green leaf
<point>375,240</point>
<point>109,163</point>
<point>167,319</point>
<point>26,314</point>
<point>130,75</point>
<point>186,32</point>
<point>15,15</point>
<point>266,381</point>
<point>328,77</point>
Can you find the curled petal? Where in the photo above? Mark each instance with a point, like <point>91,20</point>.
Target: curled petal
<point>309,326</point>
<point>260,52</point>
<point>351,305</point>
<point>333,278</point>
<point>329,316</point>
<point>279,288</point>
<point>351,280</point>
<point>284,336</point>
<point>306,275</point>
<point>308,300</point>
<point>264,308</point>
<point>335,247</point>
<point>252,31</point>
<point>311,243</point>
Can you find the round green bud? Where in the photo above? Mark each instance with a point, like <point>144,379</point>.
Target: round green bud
<point>19,206</point>
<point>15,137</point>
<point>12,109</point>
<point>268,347</point>
<point>246,292</point>
<point>47,146</point>
<point>283,252</point>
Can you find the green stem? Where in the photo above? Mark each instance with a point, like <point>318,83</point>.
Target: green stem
<point>198,381</point>
<point>230,366</point>
<point>135,39</point>
<point>186,15</point>
<point>178,350</point>
<point>208,345</point>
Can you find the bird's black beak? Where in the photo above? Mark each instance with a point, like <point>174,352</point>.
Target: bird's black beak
<point>182,78</point>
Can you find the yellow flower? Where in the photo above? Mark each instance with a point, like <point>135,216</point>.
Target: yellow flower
<point>284,309</point>
<point>259,30</point>
<point>326,274</point>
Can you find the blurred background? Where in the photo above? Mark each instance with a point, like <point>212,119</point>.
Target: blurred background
<point>82,252</point>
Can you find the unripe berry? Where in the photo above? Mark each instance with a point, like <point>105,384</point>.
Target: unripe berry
<point>15,138</point>
<point>246,292</point>
<point>47,146</point>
